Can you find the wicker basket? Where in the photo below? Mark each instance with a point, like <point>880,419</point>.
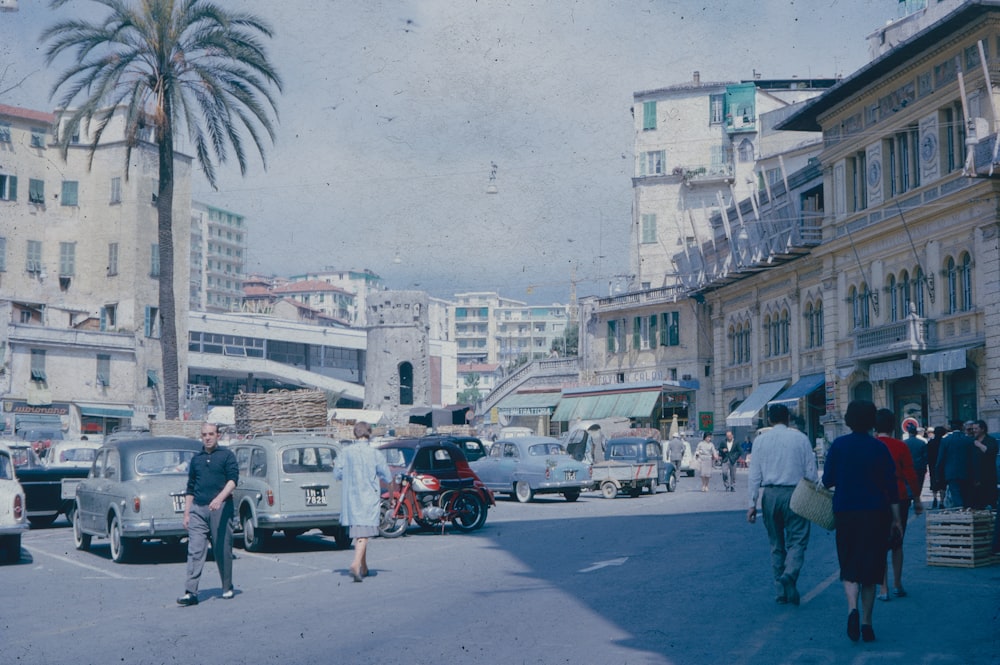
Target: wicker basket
<point>279,410</point>
<point>190,429</point>
<point>814,502</point>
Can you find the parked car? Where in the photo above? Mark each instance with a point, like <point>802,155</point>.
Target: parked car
<point>48,490</point>
<point>134,492</point>
<point>528,465</point>
<point>286,484</point>
<point>472,447</point>
<point>638,450</point>
<point>72,453</point>
<point>40,439</point>
<point>13,517</point>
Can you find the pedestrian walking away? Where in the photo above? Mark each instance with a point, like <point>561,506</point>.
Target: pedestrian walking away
<point>866,510</point>
<point>208,512</point>
<point>781,458</point>
<point>675,452</point>
<point>955,465</point>
<point>359,467</point>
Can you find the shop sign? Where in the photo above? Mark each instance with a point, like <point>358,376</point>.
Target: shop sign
<point>706,421</point>
<point>25,409</point>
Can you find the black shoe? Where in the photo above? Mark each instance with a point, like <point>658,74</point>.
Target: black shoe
<point>791,592</point>
<point>854,626</point>
<point>867,634</point>
<point>188,599</point>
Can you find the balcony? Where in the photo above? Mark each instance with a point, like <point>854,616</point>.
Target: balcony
<point>659,296</point>
<point>910,335</point>
<point>705,174</point>
<point>69,337</point>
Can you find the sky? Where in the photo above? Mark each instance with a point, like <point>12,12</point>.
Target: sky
<point>393,113</point>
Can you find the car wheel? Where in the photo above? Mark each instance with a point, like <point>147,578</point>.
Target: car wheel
<point>609,489</point>
<point>523,491</point>
<point>11,546</point>
<point>469,510</point>
<point>254,539</point>
<point>81,540</point>
<point>571,495</point>
<point>672,482</point>
<point>121,547</point>
<point>393,527</point>
<point>42,521</point>
<point>651,487</point>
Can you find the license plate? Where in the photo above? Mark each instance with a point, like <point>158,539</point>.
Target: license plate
<point>315,496</point>
<point>178,502</point>
<point>571,474</point>
<point>69,488</point>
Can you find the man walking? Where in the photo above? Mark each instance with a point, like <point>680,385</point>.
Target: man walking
<point>730,454</point>
<point>781,458</point>
<point>208,512</point>
<point>675,453</point>
<point>954,465</point>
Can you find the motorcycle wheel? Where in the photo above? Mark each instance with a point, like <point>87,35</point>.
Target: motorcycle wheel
<point>469,512</point>
<point>393,527</point>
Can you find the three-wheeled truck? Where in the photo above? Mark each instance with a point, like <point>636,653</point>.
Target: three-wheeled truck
<point>631,464</point>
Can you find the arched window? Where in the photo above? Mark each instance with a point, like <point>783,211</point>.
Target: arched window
<point>951,270</point>
<point>810,326</point>
<point>859,298</point>
<point>746,150</point>
<point>905,294</point>
<point>785,330</point>
<point>918,291</point>
<point>732,345</point>
<point>405,383</point>
<point>768,337</point>
<point>966,271</point>
<point>893,309</point>
<point>746,342</point>
<point>818,316</point>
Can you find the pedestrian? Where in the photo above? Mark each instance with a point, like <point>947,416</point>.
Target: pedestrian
<point>360,466</point>
<point>781,458</point>
<point>866,510</point>
<point>984,456</point>
<point>705,455</point>
<point>937,482</point>
<point>907,486</point>
<point>954,465</point>
<point>918,451</point>
<point>747,448</point>
<point>208,513</point>
<point>675,452</point>
<point>730,453</point>
<point>596,443</point>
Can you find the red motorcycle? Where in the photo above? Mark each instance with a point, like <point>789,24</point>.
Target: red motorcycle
<point>420,498</point>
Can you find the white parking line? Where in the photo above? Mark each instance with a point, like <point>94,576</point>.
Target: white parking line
<point>106,573</point>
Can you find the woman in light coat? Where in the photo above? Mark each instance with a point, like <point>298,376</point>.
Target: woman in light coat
<point>704,456</point>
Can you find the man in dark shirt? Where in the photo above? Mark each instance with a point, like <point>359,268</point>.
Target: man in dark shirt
<point>208,512</point>
<point>954,466</point>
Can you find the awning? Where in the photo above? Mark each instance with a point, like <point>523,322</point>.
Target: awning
<point>942,361</point>
<point>104,410</point>
<point>27,421</point>
<point>595,407</point>
<point>529,404</point>
<point>804,386</point>
<point>745,413</point>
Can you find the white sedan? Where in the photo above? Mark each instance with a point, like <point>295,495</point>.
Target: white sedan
<point>13,518</point>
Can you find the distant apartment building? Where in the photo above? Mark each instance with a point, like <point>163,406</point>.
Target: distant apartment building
<point>218,258</point>
<point>358,283</point>
<point>489,328</point>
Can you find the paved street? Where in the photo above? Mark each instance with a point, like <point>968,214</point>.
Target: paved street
<point>668,579</point>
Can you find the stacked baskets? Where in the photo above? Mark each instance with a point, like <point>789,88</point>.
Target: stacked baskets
<point>279,410</point>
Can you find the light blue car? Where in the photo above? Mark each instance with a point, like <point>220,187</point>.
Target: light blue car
<point>528,465</point>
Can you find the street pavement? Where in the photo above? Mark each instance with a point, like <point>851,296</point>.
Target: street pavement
<point>672,579</point>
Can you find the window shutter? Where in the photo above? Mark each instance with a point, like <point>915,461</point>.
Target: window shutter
<point>13,187</point>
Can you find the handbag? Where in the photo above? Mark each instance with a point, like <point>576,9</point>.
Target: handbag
<point>814,502</point>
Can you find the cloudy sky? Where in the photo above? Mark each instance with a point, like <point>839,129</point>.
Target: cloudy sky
<point>394,111</point>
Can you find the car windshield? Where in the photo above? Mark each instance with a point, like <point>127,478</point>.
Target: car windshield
<point>307,459</point>
<point>6,468</point>
<point>398,456</point>
<point>546,449</point>
<point>163,462</point>
<point>24,457</point>
<point>77,454</point>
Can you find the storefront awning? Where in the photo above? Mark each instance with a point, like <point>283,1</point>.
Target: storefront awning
<point>595,407</point>
<point>37,420</point>
<point>745,414</point>
<point>804,386</point>
<point>104,410</point>
<point>529,404</point>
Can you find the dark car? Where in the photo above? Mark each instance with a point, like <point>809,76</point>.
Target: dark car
<point>640,450</point>
<point>48,490</point>
<point>440,456</point>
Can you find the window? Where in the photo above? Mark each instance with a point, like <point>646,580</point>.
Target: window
<point>966,273</point>
<point>648,115</point>
<point>116,190</point>
<point>34,258</point>
<point>151,324</point>
<point>904,294</point>
<point>70,193</point>
<point>37,137</point>
<point>4,132</point>
<point>36,191</point>
<point>859,298</point>
<point>109,317</point>
<point>954,128</point>
<point>951,272</point>
<point>653,319</point>
<point>857,197</point>
<point>8,187</point>
<point>612,341</point>
<point>904,161</point>
<point>112,258</point>
<point>716,109</point>
<point>103,370</point>
<point>405,383</point>
<point>637,332</point>
<point>154,260</point>
<point>746,150</point>
<point>3,254</point>
<point>651,163</point>
<point>670,329</point>
<point>152,378</point>
<point>891,290</point>
<point>918,291</point>
<point>67,259</point>
<point>648,229</point>
<point>38,365</point>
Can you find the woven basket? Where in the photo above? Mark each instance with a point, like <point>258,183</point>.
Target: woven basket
<point>814,502</point>
<point>190,429</point>
<point>279,410</point>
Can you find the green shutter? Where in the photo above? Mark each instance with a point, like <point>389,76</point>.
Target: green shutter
<point>652,331</point>
<point>637,333</point>
<point>649,115</point>
<point>13,188</point>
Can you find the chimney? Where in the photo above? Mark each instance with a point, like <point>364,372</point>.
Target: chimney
<point>697,77</point>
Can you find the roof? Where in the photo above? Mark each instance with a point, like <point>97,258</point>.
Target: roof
<point>146,443</point>
<point>807,119</point>
<point>309,286</point>
<point>27,114</point>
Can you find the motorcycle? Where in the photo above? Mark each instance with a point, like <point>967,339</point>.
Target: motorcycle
<point>419,498</point>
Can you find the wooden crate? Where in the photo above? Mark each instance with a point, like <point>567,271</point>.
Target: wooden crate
<point>960,538</point>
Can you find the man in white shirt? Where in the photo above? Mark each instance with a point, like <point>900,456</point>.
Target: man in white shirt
<point>781,458</point>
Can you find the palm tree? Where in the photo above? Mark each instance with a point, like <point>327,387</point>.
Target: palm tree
<point>185,64</point>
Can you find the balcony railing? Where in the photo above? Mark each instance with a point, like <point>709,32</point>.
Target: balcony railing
<point>657,296</point>
<point>911,334</point>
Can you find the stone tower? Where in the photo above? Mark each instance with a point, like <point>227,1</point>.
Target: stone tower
<point>398,362</point>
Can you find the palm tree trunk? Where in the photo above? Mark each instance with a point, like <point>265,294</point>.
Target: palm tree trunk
<point>164,217</point>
